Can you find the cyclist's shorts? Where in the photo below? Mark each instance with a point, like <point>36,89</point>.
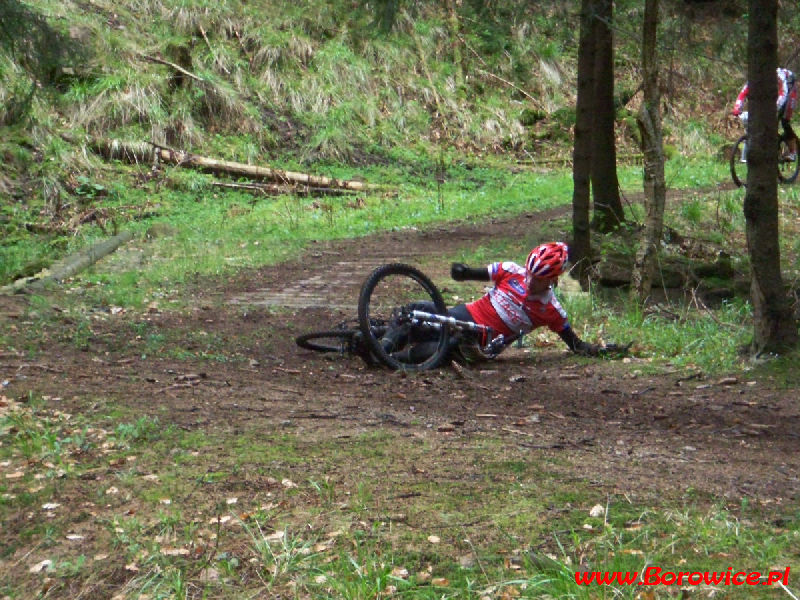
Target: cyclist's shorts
<point>787,110</point>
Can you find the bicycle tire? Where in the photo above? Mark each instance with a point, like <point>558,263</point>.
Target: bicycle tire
<point>787,170</point>
<point>335,340</point>
<point>408,285</point>
<point>738,168</point>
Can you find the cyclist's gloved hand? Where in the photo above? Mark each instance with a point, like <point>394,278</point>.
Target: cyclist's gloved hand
<point>461,272</point>
<point>586,349</point>
<point>458,271</point>
<point>619,349</point>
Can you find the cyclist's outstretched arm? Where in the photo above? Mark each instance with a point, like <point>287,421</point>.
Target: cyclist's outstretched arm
<point>577,345</point>
<point>461,272</point>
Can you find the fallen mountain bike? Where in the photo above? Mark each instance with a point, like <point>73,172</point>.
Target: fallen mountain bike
<point>403,324</point>
<point>400,298</point>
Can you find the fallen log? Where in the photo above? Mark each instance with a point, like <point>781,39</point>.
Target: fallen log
<point>132,152</point>
<point>136,153</point>
<point>69,266</point>
<point>183,159</point>
<point>275,189</point>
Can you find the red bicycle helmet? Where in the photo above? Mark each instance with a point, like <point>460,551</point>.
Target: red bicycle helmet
<point>547,260</point>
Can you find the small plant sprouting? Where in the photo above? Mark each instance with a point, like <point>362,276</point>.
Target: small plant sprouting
<point>145,428</point>
<point>88,189</point>
<point>326,490</point>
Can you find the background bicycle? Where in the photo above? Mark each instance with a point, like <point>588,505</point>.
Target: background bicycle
<point>787,167</point>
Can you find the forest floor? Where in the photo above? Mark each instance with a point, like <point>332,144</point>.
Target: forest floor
<point>620,425</point>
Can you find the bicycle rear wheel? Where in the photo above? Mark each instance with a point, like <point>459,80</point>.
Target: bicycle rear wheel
<point>341,341</point>
<point>335,340</point>
<point>739,162</point>
<point>385,293</point>
<point>787,169</point>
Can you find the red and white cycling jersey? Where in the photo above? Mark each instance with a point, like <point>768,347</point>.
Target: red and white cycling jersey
<point>508,309</point>
<point>787,94</point>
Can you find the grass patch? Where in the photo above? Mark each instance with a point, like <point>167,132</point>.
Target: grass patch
<point>331,525</point>
<point>680,336</point>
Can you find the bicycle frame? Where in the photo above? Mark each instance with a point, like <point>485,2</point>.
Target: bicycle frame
<point>491,349</point>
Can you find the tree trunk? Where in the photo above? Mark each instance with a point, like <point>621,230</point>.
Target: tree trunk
<point>455,40</point>
<point>655,191</point>
<point>774,327</point>
<point>608,212</point>
<point>582,151</point>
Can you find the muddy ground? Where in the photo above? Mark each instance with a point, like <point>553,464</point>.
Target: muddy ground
<point>730,437</point>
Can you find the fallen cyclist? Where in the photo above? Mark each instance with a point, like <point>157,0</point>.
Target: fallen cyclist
<point>521,300</point>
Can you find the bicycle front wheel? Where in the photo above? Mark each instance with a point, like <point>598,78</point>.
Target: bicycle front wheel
<point>787,168</point>
<point>386,295</point>
<point>739,162</point>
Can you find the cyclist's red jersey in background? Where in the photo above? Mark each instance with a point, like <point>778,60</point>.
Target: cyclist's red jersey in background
<point>787,94</point>
<point>507,309</point>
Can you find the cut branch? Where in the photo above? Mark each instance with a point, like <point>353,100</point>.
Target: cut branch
<point>210,49</point>
<point>636,158</point>
<point>180,69</point>
<point>497,77</point>
<point>275,189</point>
<point>511,85</point>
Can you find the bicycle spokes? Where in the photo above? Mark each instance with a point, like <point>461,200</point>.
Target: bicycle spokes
<point>390,294</point>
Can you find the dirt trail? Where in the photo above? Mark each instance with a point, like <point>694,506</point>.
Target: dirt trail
<point>651,434</point>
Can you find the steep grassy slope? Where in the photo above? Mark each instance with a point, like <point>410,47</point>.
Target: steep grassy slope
<point>321,80</point>
<point>314,85</point>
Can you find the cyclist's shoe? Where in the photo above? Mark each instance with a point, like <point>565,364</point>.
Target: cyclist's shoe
<point>743,159</point>
<point>361,349</point>
<point>358,342</point>
<point>789,157</point>
<point>396,337</point>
